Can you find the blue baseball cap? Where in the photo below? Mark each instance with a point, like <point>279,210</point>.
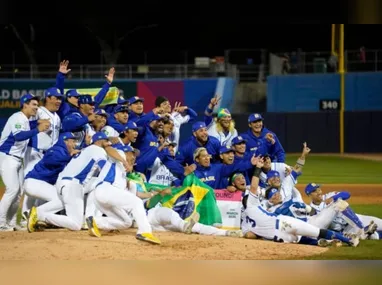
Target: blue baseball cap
<point>67,136</point>
<point>120,108</point>
<point>311,187</point>
<point>272,173</point>
<point>238,140</point>
<point>155,117</point>
<point>130,126</point>
<point>27,97</point>
<point>99,136</point>
<point>198,125</point>
<point>122,100</point>
<point>225,149</point>
<point>101,112</point>
<point>136,99</point>
<point>86,99</point>
<point>53,91</point>
<point>72,93</point>
<point>255,117</point>
<point>270,192</point>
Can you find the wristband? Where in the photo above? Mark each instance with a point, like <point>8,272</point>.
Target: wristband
<point>301,162</point>
<point>257,172</point>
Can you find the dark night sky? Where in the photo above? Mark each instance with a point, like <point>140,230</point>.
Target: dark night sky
<point>167,43</point>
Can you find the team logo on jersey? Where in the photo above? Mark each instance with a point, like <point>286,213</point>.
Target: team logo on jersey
<point>18,126</point>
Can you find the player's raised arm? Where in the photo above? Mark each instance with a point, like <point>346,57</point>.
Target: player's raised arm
<point>259,162</point>
<point>301,160</point>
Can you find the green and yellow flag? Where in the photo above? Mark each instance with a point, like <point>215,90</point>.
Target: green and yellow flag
<point>110,98</point>
<point>192,196</point>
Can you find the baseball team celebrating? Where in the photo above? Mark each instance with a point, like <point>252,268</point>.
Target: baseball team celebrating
<point>69,158</point>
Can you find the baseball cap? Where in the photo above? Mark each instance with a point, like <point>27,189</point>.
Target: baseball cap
<point>225,149</point>
<point>198,125</point>
<point>155,117</point>
<point>255,117</point>
<point>223,112</point>
<point>311,187</point>
<point>122,100</point>
<point>27,97</point>
<point>53,91</point>
<point>72,93</point>
<point>124,148</point>
<point>120,108</point>
<point>101,112</point>
<point>238,139</point>
<point>86,99</point>
<point>272,173</point>
<point>99,136</point>
<point>270,192</point>
<point>67,136</point>
<point>130,126</point>
<point>136,99</point>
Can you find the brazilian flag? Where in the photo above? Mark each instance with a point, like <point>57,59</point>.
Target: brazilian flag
<point>110,98</point>
<point>192,196</point>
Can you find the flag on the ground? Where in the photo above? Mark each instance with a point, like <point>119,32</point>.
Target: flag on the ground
<point>192,196</point>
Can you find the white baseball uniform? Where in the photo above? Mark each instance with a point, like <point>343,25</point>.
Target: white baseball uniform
<point>277,228</point>
<point>160,174</point>
<point>112,199</point>
<point>178,120</point>
<point>110,132</point>
<point>70,186</point>
<point>224,138</point>
<point>284,170</point>
<point>45,140</point>
<point>339,224</point>
<point>12,153</point>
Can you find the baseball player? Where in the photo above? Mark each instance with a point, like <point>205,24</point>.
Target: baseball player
<point>39,144</point>
<point>40,181</point>
<point>321,202</point>
<point>223,127</point>
<point>112,199</point>
<point>70,185</point>
<point>13,144</point>
<point>280,228</point>
<point>261,140</point>
<point>180,115</point>
<point>121,116</point>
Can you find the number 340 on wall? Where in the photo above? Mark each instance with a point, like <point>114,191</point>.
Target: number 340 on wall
<point>326,105</point>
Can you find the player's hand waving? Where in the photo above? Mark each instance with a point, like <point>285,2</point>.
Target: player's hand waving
<point>64,67</point>
<point>110,76</point>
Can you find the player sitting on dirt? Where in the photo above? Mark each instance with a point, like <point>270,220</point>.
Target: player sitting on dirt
<point>320,202</point>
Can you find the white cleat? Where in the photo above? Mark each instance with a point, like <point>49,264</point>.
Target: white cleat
<point>187,229</point>
<point>354,240</point>
<point>6,228</point>
<point>237,234</point>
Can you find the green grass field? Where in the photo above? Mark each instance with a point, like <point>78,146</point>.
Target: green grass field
<point>332,170</point>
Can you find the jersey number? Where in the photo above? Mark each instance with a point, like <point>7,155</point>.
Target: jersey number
<point>250,221</point>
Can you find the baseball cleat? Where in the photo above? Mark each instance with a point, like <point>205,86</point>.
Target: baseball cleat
<point>149,237</point>
<point>354,240</point>
<point>187,229</point>
<point>370,229</point>
<point>329,243</point>
<point>6,228</point>
<point>32,220</point>
<point>238,234</point>
<point>92,227</point>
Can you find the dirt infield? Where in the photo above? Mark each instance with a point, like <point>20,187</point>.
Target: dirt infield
<point>66,245</point>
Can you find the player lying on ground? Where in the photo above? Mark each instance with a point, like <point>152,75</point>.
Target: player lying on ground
<point>279,228</point>
<point>320,202</point>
